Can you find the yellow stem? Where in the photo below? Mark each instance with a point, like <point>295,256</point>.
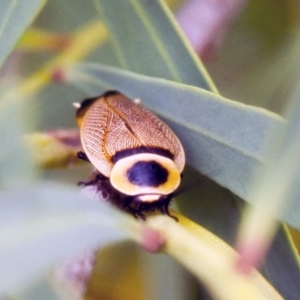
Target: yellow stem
<point>36,39</point>
<point>210,259</point>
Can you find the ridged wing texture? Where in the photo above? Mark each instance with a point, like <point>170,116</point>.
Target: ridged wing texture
<point>116,123</point>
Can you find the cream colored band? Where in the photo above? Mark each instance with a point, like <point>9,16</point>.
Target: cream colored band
<point>119,180</point>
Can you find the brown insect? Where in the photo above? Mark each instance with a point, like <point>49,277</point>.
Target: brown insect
<point>139,160</point>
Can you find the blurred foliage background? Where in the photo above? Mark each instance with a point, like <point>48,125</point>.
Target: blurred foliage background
<point>257,61</point>
<point>252,56</point>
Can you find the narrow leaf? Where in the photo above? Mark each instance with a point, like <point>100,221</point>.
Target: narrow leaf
<point>276,185</point>
<point>42,225</point>
<point>223,139</point>
<point>148,40</point>
<point>15,16</point>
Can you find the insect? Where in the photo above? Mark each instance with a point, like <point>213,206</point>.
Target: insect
<point>138,158</point>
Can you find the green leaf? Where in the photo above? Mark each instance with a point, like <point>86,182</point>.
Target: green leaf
<point>275,190</point>
<point>223,139</point>
<point>283,153</point>
<point>16,166</point>
<point>15,16</point>
<point>148,40</point>
<point>41,225</point>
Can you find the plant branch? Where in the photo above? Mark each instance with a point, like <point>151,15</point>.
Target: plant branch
<point>210,259</point>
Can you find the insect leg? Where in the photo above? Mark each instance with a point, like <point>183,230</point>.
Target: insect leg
<point>93,180</point>
<point>137,211</point>
<point>164,208</point>
<point>83,156</point>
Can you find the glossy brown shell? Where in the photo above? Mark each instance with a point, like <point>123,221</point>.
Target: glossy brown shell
<point>113,123</point>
